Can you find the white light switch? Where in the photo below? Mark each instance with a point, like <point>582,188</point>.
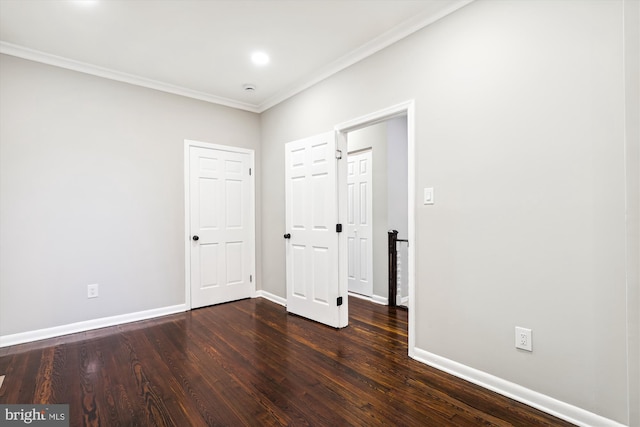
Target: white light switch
<point>428,196</point>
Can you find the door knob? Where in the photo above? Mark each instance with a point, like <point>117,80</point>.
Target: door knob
<point>195,238</point>
<point>287,236</point>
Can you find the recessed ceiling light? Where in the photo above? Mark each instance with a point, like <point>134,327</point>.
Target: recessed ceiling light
<point>85,3</point>
<point>260,58</point>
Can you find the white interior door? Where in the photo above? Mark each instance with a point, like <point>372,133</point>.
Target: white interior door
<point>221,226</point>
<point>359,223</point>
<point>312,241</point>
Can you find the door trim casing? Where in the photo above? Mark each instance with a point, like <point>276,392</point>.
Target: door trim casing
<point>405,108</point>
<point>187,211</point>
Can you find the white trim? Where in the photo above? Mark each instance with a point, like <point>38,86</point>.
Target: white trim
<point>375,117</point>
<point>408,108</point>
<point>271,297</point>
<point>380,300</point>
<point>537,400</point>
<point>411,250</point>
<point>375,45</point>
<point>87,325</point>
<point>107,73</point>
<point>360,296</point>
<point>376,299</point>
<point>341,200</point>
<point>188,143</point>
<point>187,228</point>
<point>220,147</point>
<point>384,40</point>
<point>631,86</point>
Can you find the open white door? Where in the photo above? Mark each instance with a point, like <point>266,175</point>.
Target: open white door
<point>312,239</point>
<point>220,224</point>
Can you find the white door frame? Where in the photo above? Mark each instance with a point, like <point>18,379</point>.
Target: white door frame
<point>187,211</point>
<point>406,108</point>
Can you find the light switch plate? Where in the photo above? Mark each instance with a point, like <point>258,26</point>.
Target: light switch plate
<point>429,196</point>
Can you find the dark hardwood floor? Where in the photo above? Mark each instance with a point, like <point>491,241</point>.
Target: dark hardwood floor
<point>249,363</point>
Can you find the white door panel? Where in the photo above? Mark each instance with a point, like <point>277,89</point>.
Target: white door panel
<point>311,218</point>
<point>221,259</point>
<point>359,226</point>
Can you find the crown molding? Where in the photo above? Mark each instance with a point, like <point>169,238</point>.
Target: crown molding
<point>83,67</point>
<point>384,40</point>
<point>375,45</point>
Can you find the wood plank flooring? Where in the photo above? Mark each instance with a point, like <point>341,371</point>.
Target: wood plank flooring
<point>249,363</point>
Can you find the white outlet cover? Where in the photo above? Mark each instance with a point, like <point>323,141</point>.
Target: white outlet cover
<point>92,291</point>
<point>429,196</point>
<point>523,339</point>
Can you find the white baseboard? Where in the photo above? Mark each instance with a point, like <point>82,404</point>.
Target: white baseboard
<point>380,300</point>
<point>359,296</point>
<point>271,297</point>
<point>374,298</point>
<point>557,408</point>
<point>87,325</point>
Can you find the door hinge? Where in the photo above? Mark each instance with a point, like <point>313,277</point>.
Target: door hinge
<point>339,301</point>
<point>249,171</point>
<point>251,278</point>
<point>338,154</point>
<point>338,228</point>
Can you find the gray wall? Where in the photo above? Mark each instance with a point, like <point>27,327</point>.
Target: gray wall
<point>397,176</point>
<point>92,191</point>
<point>398,194</point>
<point>520,128</point>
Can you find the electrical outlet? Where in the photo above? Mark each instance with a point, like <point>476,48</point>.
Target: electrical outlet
<point>523,339</point>
<point>92,291</point>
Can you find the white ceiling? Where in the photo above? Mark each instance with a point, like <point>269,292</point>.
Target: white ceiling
<point>202,48</point>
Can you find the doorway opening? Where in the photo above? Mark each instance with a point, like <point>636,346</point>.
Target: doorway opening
<point>377,192</point>
<point>398,188</point>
